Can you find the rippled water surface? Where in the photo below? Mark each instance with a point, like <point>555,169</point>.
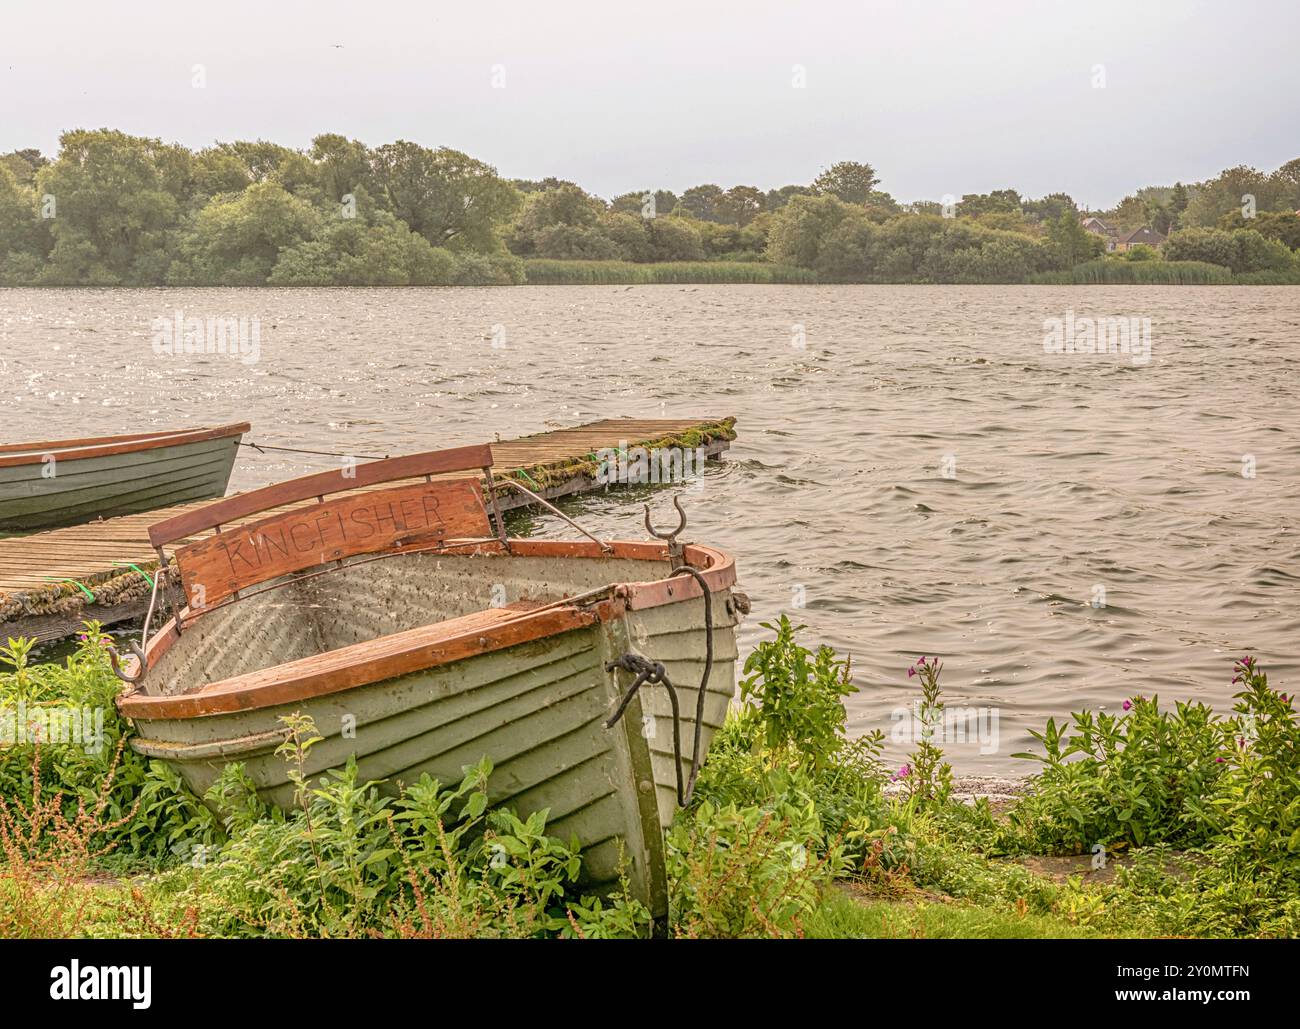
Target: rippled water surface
<point>921,475</point>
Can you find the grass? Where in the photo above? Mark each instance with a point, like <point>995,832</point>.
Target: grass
<point>148,906</point>
<point>846,915</point>
<point>106,908</point>
<point>546,272</point>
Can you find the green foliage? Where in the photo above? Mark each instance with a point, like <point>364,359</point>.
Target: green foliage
<point>155,818</point>
<point>574,243</point>
<point>843,915</point>
<point>748,871</point>
<point>557,219</point>
<point>237,238</point>
<point>710,205</point>
<point>800,227</point>
<point>845,789</point>
<point>1227,791</point>
<point>115,209</point>
<point>703,203</point>
<point>24,237</point>
<point>1136,778</point>
<point>778,800</point>
<point>126,210</point>
<point>844,245</point>
<point>1285,277</point>
<point>799,695</point>
<point>116,199</point>
<point>849,181</point>
<point>1283,226</point>
<point>1051,207</point>
<point>1211,200</point>
<point>1141,252</point>
<point>974,205</point>
<point>846,250</point>
<point>23,164</point>
<point>927,777</point>
<point>630,236</point>
<point>446,196</point>
<point>1240,250</point>
<point>1257,810</point>
<point>353,861</point>
<point>674,239</point>
<point>1073,243</point>
<point>496,269</point>
<point>742,204</point>
<point>350,252</point>
<point>634,203</point>
<point>937,858</point>
<point>563,223</point>
<point>343,166</point>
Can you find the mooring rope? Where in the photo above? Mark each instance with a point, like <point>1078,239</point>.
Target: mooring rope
<point>652,672</point>
<point>261,447</point>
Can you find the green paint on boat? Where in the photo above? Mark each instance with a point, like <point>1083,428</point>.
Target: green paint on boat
<point>74,489</point>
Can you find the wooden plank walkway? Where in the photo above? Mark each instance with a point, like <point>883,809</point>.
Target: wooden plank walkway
<point>92,559</point>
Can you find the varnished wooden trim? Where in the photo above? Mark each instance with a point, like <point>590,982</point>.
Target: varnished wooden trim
<point>109,446</point>
<point>387,657</point>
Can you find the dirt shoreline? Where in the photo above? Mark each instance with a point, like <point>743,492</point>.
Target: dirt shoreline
<point>998,790</point>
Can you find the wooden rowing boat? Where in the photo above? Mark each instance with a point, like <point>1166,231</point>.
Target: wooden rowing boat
<point>71,481</point>
<point>418,641</point>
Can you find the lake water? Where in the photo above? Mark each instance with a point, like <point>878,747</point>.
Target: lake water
<point>915,474</point>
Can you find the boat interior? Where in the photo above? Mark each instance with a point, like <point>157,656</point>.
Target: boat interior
<point>373,576</point>
<point>366,604</point>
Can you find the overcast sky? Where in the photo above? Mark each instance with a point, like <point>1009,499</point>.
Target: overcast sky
<point>940,97</point>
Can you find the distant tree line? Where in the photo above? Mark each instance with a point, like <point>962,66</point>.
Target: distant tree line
<point>114,209</point>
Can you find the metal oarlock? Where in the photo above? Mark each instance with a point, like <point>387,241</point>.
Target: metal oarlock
<point>115,660</point>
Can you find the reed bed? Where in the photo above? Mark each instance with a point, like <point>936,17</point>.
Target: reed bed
<point>545,272</point>
<point>1271,277</point>
<point>1138,273</point>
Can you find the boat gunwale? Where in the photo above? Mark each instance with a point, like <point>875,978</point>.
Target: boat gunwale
<point>18,454</point>
<point>423,647</point>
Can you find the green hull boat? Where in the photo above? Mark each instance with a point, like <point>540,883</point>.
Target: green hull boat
<point>419,649</point>
<point>69,482</point>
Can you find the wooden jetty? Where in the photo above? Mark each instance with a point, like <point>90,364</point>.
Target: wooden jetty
<point>50,582</point>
